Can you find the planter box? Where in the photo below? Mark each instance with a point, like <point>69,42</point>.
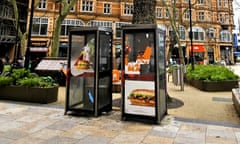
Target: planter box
<point>213,86</point>
<point>236,99</point>
<point>29,94</point>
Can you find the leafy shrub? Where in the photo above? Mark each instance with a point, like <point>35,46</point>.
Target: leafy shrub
<point>23,77</point>
<point>37,82</point>
<point>4,81</point>
<point>210,73</point>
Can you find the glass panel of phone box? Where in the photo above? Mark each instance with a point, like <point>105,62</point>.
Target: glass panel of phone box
<point>139,91</point>
<point>82,70</point>
<point>90,64</point>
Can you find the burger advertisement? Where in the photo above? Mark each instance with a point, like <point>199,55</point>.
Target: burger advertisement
<point>139,97</point>
<point>142,97</point>
<point>82,59</point>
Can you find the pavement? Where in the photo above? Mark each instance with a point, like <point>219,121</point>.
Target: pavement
<point>204,118</point>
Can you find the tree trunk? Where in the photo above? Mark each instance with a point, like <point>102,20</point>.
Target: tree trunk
<point>56,35</point>
<point>65,5</point>
<point>144,12</point>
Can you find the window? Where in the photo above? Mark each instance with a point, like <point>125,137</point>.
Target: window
<point>226,19</point>
<point>40,26</point>
<point>87,6</point>
<point>211,32</point>
<point>198,34</point>
<point>118,29</point>
<point>128,9</point>
<point>72,9</point>
<point>200,1</point>
<point>187,15</point>
<point>166,13</point>
<point>225,36</point>
<point>107,8</point>
<point>201,16</point>
<point>225,3</point>
<point>182,32</point>
<point>221,18</point>
<point>68,23</point>
<point>219,3</point>
<point>42,4</point>
<point>158,12</point>
<point>100,23</point>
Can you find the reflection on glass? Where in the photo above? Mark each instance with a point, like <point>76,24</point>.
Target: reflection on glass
<point>82,54</point>
<point>139,49</point>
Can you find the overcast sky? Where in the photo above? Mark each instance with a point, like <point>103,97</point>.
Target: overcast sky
<point>236,11</point>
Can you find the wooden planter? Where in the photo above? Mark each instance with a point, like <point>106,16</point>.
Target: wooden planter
<point>214,86</point>
<point>29,94</point>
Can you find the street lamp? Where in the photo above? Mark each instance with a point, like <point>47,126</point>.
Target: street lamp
<point>190,35</point>
<point>27,56</point>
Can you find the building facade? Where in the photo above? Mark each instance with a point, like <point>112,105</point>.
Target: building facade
<point>9,37</point>
<point>212,25</point>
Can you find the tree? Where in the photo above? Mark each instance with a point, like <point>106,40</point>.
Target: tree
<point>21,35</point>
<point>144,12</point>
<point>175,20</point>
<point>65,7</point>
<point>174,39</point>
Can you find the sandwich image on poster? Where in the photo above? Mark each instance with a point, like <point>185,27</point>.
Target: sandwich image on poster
<point>142,97</point>
<point>139,97</point>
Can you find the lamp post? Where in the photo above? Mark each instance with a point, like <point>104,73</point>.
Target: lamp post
<point>27,56</point>
<point>190,35</point>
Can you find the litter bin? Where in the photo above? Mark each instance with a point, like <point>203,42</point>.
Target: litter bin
<point>176,74</point>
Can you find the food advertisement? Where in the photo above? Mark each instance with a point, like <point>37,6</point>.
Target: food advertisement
<point>139,97</point>
<point>82,58</point>
<point>143,58</point>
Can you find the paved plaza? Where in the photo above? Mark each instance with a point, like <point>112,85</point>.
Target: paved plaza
<point>205,118</point>
<point>40,124</point>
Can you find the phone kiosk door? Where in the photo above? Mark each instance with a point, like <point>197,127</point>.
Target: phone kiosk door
<point>89,77</point>
<point>143,73</point>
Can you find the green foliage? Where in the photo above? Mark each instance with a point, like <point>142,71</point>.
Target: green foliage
<point>37,82</point>
<point>4,81</point>
<point>23,77</point>
<point>210,73</point>
<point>171,68</point>
<point>20,73</point>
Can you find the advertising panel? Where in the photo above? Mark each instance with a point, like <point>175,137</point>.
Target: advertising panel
<point>140,97</point>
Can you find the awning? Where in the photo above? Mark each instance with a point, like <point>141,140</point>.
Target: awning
<point>197,48</point>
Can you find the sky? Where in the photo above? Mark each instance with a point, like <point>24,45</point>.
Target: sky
<point>236,11</point>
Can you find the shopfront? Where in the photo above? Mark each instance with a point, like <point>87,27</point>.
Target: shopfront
<point>39,50</point>
<point>198,53</point>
